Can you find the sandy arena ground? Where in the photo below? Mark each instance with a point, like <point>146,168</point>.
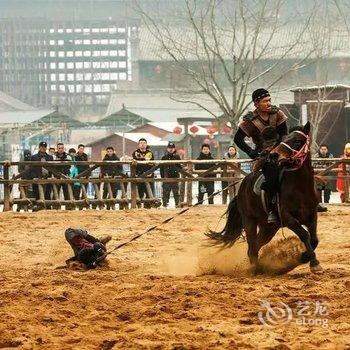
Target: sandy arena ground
<point>152,293</point>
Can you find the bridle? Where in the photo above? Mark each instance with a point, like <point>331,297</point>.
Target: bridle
<point>297,158</point>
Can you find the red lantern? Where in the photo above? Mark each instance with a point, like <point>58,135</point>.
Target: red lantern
<point>226,129</point>
<point>206,141</point>
<point>211,129</point>
<point>177,130</point>
<point>194,129</point>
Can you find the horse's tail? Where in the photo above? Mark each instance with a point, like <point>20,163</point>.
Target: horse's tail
<point>233,228</point>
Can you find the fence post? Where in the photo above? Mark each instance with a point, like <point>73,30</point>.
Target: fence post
<point>133,186</point>
<point>7,188</point>
<point>189,185</point>
<point>224,183</point>
<point>346,183</point>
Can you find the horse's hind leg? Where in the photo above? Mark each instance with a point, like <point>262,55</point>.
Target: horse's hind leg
<point>266,233</point>
<point>250,229</point>
<point>303,235</point>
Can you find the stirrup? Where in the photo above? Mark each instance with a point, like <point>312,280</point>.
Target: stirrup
<point>272,218</point>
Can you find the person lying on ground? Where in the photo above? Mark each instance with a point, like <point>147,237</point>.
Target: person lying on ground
<point>87,249</point>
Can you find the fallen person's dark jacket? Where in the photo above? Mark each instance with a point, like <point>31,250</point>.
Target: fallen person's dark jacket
<point>87,249</point>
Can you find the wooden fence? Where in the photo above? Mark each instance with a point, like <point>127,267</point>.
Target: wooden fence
<point>229,171</point>
<point>47,189</point>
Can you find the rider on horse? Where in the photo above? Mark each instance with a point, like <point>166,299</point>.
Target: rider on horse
<point>266,126</point>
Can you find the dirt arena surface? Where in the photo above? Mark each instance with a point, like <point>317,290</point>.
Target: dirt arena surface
<point>152,295</point>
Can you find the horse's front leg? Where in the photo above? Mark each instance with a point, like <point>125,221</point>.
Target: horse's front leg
<point>250,228</point>
<point>312,228</point>
<point>304,236</point>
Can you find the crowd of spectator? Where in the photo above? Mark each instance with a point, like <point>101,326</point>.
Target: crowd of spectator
<point>142,153</point>
<point>145,191</point>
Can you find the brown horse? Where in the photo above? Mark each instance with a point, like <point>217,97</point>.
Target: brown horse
<point>297,203</point>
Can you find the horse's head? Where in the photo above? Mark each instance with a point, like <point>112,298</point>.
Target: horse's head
<point>296,145</point>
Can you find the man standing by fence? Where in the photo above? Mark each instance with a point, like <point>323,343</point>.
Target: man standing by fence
<point>39,172</point>
<point>323,152</point>
<point>170,171</point>
<point>81,156</point>
<point>141,154</point>
<point>61,155</point>
<point>111,171</point>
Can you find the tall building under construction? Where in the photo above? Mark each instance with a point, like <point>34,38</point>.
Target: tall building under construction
<point>67,53</point>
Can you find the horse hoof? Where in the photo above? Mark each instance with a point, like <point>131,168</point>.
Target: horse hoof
<point>316,269</point>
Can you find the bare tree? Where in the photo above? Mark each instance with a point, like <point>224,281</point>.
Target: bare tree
<point>323,38</point>
<point>225,48</point>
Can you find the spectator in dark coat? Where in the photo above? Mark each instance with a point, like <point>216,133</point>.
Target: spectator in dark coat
<point>205,186</point>
<point>61,155</point>
<point>323,152</point>
<point>170,171</point>
<point>111,171</point>
<point>39,172</point>
<point>81,156</point>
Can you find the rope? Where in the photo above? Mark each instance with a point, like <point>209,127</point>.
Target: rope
<point>154,227</point>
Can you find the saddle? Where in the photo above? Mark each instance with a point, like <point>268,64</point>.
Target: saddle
<point>257,185</point>
<point>260,192</point>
